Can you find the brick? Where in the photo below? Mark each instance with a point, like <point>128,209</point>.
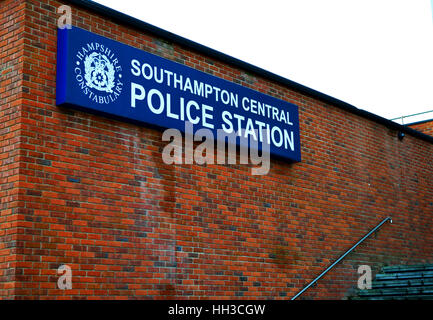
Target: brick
<point>93,193</point>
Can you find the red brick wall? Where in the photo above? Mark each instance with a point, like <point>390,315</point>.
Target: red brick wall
<point>11,65</point>
<point>425,127</point>
<point>94,194</point>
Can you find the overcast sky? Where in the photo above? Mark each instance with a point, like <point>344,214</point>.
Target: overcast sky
<point>374,54</point>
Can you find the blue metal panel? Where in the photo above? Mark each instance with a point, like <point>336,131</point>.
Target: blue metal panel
<point>110,78</point>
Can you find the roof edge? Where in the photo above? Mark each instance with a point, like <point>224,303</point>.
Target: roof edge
<point>418,122</point>
<point>139,24</point>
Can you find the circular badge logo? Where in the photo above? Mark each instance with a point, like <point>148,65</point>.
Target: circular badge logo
<point>98,73</point>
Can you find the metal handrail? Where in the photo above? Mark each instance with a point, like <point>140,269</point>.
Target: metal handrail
<point>341,258</point>
<point>412,115</point>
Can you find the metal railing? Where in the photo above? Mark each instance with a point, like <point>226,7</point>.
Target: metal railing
<point>411,115</point>
<point>342,257</point>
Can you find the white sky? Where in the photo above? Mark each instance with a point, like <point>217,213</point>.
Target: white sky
<point>374,54</point>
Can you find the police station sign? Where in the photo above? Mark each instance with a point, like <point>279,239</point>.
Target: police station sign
<point>100,75</point>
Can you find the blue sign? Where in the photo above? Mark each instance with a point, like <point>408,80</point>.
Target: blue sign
<point>108,77</point>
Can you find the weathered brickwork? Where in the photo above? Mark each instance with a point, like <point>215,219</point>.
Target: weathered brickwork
<point>93,193</point>
<point>12,16</point>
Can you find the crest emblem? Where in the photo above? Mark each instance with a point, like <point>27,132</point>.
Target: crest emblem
<point>99,72</point>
